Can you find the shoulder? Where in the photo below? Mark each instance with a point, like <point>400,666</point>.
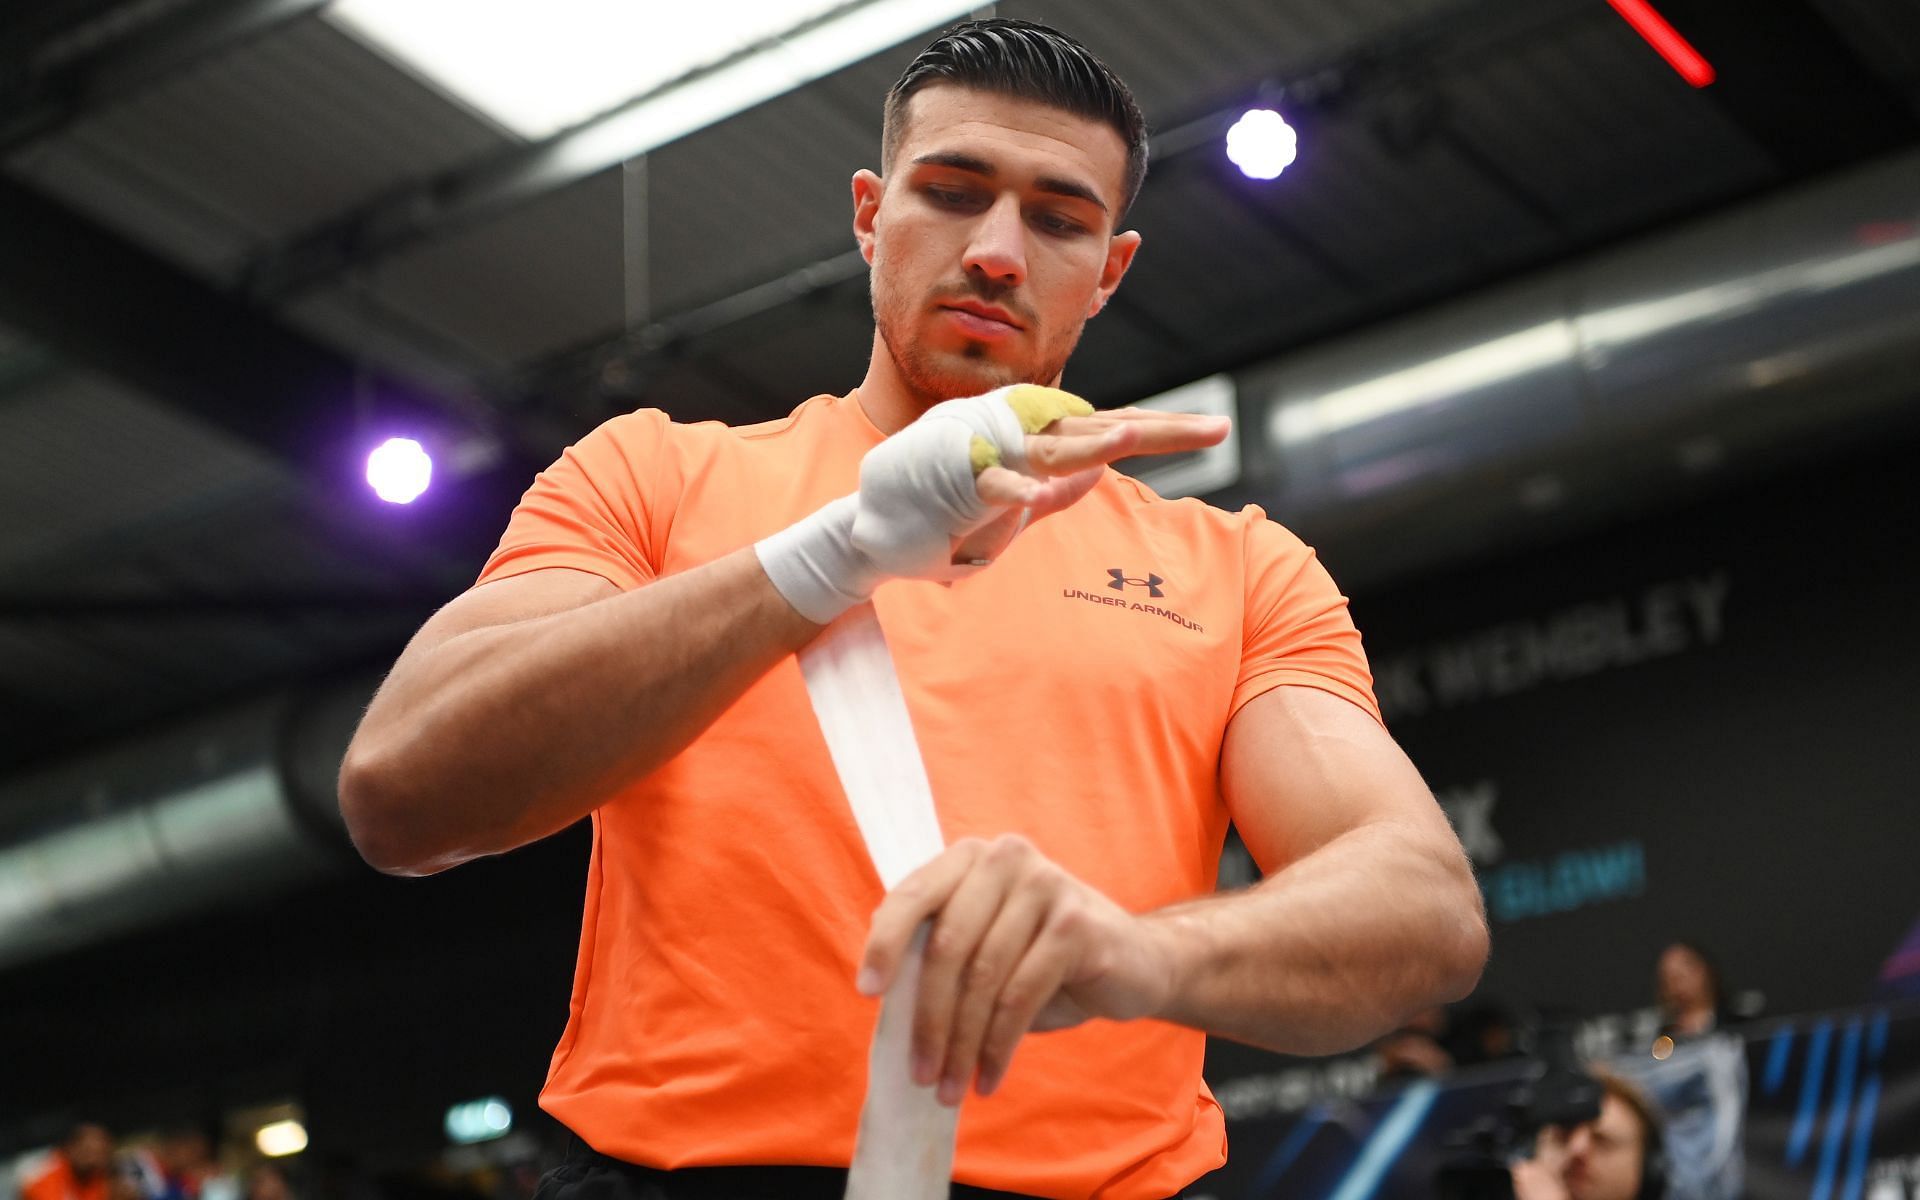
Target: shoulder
<point>1249,527</point>
<point>646,435</point>
<point>652,426</point>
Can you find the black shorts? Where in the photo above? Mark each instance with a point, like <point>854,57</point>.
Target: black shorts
<point>589,1175</point>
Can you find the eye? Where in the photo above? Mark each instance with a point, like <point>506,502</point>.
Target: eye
<point>948,197</point>
<point>1059,225</point>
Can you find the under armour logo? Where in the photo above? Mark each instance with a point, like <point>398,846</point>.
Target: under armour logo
<point>1121,580</point>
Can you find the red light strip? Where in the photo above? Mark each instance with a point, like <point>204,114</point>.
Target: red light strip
<point>1665,39</point>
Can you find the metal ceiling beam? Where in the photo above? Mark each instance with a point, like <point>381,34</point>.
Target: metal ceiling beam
<point>95,299</point>
<point>410,215</point>
<point>45,97</point>
<point>475,191</point>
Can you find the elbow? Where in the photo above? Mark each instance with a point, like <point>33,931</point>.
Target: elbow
<point>1459,951</point>
<point>1466,957</point>
<point>1452,948</point>
<point>374,813</point>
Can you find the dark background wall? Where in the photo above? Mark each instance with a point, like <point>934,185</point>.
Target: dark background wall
<point>1700,725</point>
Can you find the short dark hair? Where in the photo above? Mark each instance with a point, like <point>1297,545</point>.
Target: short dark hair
<point>1032,62</point>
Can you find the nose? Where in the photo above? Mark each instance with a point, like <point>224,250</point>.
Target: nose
<point>1580,1143</point>
<point>997,249</point>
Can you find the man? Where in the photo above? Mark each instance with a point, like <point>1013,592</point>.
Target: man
<point>80,1168</point>
<point>1093,705</point>
<point>1616,1156</point>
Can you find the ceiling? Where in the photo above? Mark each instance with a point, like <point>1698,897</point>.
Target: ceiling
<point>235,242</point>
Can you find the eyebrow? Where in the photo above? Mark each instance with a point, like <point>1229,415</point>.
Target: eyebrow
<point>1050,184</point>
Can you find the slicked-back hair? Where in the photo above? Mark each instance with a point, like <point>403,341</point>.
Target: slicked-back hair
<point>1030,62</point>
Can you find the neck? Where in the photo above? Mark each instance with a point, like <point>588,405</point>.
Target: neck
<point>892,403</point>
<point>889,402</point>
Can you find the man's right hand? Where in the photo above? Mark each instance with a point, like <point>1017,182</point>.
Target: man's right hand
<point>953,489</point>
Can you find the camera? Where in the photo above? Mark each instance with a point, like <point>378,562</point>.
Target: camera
<point>1556,1092</point>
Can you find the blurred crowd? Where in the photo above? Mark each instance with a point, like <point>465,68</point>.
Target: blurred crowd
<point>188,1164</point>
<point>176,1165</point>
<point>1666,1110</point>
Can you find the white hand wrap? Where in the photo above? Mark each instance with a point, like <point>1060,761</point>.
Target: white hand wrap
<point>917,495</point>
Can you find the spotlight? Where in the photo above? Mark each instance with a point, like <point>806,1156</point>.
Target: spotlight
<point>1262,144</point>
<point>399,470</point>
<point>281,1139</point>
<point>478,1121</point>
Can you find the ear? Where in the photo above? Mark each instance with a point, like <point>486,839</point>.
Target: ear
<point>867,190</point>
<point>1120,251</point>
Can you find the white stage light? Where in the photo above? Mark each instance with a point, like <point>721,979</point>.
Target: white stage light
<point>281,1139</point>
<point>479,1121</point>
<point>538,69</point>
<point>1262,144</point>
<point>399,470</point>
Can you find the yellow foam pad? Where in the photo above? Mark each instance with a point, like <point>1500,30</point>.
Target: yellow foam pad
<point>1036,407</point>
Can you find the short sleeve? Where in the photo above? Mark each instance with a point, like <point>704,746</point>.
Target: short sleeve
<point>1297,628</point>
<point>596,508</point>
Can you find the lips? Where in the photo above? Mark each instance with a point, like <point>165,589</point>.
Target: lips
<point>981,321</point>
<point>985,312</point>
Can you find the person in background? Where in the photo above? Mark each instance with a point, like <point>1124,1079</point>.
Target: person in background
<point>1619,1155</point>
<point>1416,1049</point>
<point>1687,982</point>
<point>1697,1073</point>
<point>181,1166</point>
<point>80,1168</point>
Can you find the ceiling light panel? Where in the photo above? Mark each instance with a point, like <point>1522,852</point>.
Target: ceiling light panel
<point>537,69</point>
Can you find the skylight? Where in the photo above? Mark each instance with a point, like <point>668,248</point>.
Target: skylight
<point>539,68</point>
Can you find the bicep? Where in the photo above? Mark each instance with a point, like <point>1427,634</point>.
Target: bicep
<point>508,601</point>
<point>1301,766</point>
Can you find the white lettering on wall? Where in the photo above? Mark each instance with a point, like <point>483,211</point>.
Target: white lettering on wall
<point>1469,807</point>
<point>1583,639</point>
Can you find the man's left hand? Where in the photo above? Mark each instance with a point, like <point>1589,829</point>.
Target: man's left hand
<point>1017,944</point>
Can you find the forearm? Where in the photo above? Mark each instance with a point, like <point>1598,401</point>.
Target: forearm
<point>1333,951</point>
<point>502,735</point>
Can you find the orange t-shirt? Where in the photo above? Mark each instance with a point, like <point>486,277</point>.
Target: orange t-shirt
<point>1076,692</point>
<point>57,1182</point>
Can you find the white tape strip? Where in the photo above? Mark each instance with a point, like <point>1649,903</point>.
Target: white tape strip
<point>905,1146</point>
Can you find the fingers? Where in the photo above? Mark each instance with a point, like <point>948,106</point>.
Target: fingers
<point>1068,458</point>
<point>1065,454</point>
<point>1033,986</point>
<point>959,964</point>
<point>1000,947</point>
<point>912,900</point>
<point>981,995</point>
<point>1010,489</point>
<point>1076,443</point>
<point>1098,421</point>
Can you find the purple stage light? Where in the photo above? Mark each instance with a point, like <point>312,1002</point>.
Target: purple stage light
<point>1262,144</point>
<point>399,470</point>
